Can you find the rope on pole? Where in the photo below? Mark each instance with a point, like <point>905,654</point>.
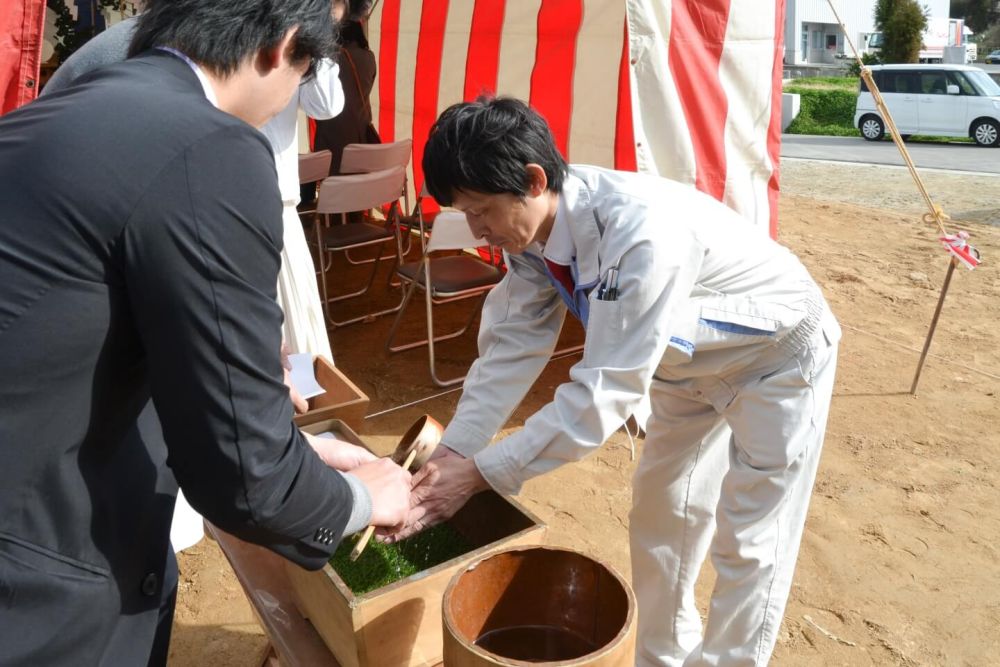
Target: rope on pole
<point>935,213</point>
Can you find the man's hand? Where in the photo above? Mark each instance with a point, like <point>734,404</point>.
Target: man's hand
<point>300,404</point>
<point>389,487</point>
<point>440,489</point>
<point>338,454</point>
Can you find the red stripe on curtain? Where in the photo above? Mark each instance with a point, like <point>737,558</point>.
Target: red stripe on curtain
<point>482,63</point>
<point>555,65</point>
<point>21,26</point>
<point>774,130</point>
<point>387,51</point>
<point>624,133</point>
<point>697,35</point>
<point>427,79</point>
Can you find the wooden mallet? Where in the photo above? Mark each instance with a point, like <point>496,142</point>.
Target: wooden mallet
<point>412,452</point>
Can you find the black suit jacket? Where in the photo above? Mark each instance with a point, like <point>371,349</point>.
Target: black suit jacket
<point>140,231</point>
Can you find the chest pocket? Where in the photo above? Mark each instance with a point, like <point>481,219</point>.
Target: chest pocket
<point>604,329</point>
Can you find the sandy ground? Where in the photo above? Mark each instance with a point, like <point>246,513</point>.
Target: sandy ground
<point>899,562</point>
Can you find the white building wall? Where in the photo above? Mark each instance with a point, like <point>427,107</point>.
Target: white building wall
<point>817,16</point>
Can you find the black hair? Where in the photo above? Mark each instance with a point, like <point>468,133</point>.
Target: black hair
<point>357,9</point>
<point>351,32</point>
<point>220,35</point>
<point>484,146</point>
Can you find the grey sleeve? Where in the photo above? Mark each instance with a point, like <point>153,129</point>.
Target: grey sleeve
<point>107,48</point>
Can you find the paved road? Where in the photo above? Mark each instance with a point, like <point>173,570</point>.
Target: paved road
<point>952,156</point>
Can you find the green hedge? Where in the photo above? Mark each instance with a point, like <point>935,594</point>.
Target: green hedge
<point>824,108</point>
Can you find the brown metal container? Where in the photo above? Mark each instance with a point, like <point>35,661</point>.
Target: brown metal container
<point>539,605</point>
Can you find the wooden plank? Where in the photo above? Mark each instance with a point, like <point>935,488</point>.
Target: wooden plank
<point>262,575</point>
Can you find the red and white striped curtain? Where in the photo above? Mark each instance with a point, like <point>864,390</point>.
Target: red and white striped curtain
<point>688,89</point>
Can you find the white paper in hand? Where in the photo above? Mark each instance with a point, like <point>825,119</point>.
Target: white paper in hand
<point>303,376</point>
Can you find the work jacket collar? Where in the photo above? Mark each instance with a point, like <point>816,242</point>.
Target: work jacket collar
<point>576,216</point>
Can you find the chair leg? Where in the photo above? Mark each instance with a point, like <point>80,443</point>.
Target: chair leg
<point>351,295</point>
<point>367,316</point>
<point>411,288</point>
<point>443,337</point>
<point>430,347</point>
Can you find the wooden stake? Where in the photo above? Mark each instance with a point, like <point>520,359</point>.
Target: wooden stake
<point>934,321</point>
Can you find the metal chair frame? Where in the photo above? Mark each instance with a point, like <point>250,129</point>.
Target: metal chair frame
<point>367,158</point>
<point>433,296</point>
<point>345,193</point>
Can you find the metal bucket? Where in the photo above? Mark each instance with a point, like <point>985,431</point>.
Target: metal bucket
<point>539,605</point>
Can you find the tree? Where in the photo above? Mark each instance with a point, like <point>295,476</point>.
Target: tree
<point>69,38</point>
<point>978,14</point>
<point>902,24</point>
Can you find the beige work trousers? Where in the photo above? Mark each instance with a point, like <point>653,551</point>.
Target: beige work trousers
<point>728,465</point>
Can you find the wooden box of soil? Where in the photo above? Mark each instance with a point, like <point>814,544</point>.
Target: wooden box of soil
<point>343,399</point>
<point>399,624</point>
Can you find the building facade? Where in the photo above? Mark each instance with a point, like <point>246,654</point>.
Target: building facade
<point>812,35</point>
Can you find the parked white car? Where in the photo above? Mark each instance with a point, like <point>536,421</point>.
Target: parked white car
<point>939,100</point>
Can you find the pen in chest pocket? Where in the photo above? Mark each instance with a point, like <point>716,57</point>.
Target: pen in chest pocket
<point>609,286</point>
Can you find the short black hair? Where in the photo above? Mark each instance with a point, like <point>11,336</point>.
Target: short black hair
<point>351,32</point>
<point>357,9</point>
<point>222,34</point>
<point>485,145</point>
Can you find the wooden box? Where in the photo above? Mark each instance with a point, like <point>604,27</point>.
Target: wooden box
<point>343,399</point>
<point>399,625</point>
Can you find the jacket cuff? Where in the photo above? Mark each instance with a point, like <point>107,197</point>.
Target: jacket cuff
<point>465,439</point>
<point>361,506</point>
<point>499,470</point>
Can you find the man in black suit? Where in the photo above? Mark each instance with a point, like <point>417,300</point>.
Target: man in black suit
<point>140,231</point>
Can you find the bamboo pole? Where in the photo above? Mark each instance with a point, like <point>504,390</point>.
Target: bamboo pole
<point>934,321</point>
<point>935,213</point>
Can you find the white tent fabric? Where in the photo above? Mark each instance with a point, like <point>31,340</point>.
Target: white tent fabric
<point>693,93</point>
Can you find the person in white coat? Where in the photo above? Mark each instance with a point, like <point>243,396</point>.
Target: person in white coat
<point>683,301</point>
<point>320,97</point>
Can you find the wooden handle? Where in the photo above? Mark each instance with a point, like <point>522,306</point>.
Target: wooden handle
<point>370,530</point>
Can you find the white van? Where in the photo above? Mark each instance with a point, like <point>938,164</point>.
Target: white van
<point>938,100</point>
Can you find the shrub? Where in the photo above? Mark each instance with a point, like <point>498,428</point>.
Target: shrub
<point>828,111</point>
<point>868,59</point>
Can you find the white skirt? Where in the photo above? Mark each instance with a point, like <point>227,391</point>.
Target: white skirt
<point>298,293</point>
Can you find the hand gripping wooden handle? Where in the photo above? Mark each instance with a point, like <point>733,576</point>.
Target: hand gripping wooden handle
<point>370,530</point>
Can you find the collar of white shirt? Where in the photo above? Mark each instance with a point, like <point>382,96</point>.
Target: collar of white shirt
<point>206,85</point>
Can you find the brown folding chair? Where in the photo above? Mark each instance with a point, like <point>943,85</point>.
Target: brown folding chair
<point>356,192</point>
<point>313,168</point>
<point>444,280</point>
<point>366,158</point>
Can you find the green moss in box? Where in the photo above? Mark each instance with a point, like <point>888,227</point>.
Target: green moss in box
<point>382,564</point>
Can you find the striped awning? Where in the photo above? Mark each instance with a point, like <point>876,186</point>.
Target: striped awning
<point>688,89</point>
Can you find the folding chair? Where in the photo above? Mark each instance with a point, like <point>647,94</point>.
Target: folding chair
<point>417,219</point>
<point>313,168</point>
<point>443,280</point>
<point>366,158</point>
<point>356,192</point>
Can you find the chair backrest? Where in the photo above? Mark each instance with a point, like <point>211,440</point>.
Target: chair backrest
<point>451,231</point>
<point>314,167</point>
<point>364,158</point>
<point>358,192</point>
